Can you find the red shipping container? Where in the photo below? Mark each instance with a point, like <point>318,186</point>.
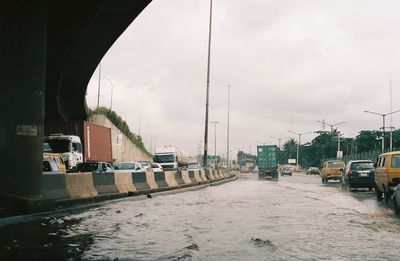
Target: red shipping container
<point>96,139</point>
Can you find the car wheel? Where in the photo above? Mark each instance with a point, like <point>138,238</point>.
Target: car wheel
<point>396,206</point>
<point>387,195</point>
<point>378,193</point>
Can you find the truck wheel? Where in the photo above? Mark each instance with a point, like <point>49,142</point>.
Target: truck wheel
<point>378,193</point>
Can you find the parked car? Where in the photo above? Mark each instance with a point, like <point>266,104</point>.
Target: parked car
<point>387,174</point>
<point>157,167</point>
<point>50,166</point>
<point>194,167</point>
<point>396,200</point>
<point>312,171</point>
<point>133,166</point>
<point>95,167</point>
<point>332,170</point>
<point>145,164</point>
<point>358,174</point>
<point>286,171</point>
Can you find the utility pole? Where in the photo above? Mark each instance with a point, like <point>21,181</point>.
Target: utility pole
<point>227,131</point>
<point>332,125</point>
<point>383,125</point>
<point>298,145</point>
<point>208,89</point>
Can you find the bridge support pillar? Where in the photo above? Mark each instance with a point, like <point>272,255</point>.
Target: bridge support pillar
<point>22,89</point>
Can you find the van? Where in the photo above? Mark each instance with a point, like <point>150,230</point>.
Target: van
<point>332,170</point>
<point>387,174</point>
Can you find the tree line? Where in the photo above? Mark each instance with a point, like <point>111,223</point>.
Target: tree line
<point>325,145</point>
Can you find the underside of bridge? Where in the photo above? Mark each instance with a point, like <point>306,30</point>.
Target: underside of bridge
<point>48,53</point>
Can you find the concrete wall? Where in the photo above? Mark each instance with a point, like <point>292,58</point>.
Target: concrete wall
<point>123,148</point>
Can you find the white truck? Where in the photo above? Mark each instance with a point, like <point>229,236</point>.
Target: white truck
<point>171,158</point>
<point>68,146</point>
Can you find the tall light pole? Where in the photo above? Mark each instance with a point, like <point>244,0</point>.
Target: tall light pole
<point>215,137</point>
<point>298,145</point>
<point>98,87</point>
<point>333,125</point>
<point>208,89</point>
<point>279,139</point>
<point>383,125</point>
<point>227,131</point>
<point>112,89</point>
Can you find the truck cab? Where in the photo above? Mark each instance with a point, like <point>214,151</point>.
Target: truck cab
<point>68,146</point>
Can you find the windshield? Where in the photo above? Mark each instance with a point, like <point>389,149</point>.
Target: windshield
<point>164,158</point>
<point>362,165</point>
<point>87,167</point>
<point>145,163</point>
<point>335,164</point>
<point>59,146</point>
<point>125,165</point>
<point>46,147</point>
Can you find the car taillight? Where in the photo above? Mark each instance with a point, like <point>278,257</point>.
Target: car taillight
<point>350,173</point>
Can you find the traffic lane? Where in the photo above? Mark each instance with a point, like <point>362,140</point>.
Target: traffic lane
<point>333,192</point>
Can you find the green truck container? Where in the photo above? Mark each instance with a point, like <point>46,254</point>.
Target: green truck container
<point>267,161</point>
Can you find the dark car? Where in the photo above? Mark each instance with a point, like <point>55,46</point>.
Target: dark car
<point>312,171</point>
<point>358,174</point>
<point>95,167</point>
<point>287,172</point>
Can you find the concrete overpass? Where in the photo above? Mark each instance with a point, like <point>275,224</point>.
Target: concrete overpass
<point>48,52</point>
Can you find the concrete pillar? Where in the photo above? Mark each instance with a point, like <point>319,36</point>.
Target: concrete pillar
<point>22,87</point>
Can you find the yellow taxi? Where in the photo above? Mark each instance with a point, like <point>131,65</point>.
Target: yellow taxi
<point>57,158</point>
<point>331,170</point>
<point>387,174</point>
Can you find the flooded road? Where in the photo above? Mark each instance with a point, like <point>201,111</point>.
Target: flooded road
<point>296,218</point>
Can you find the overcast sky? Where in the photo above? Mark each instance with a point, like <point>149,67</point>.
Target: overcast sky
<point>286,61</point>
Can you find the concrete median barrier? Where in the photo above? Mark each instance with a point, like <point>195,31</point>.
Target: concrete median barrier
<point>203,175</point>
<point>160,179</point>
<point>197,176</point>
<point>80,185</point>
<point>104,183</point>
<point>54,186</point>
<point>185,177</point>
<point>192,176</point>
<point>139,180</point>
<point>123,182</point>
<point>150,179</point>
<point>179,178</point>
<point>170,178</point>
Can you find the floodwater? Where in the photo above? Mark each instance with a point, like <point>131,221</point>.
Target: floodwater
<point>295,218</point>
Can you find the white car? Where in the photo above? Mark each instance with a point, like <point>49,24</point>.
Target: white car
<point>132,166</point>
<point>156,167</point>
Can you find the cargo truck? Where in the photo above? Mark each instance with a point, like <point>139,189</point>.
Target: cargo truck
<point>79,141</point>
<point>267,161</point>
<point>171,158</point>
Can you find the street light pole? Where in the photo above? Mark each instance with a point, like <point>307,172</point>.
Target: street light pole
<point>333,125</point>
<point>279,140</point>
<point>298,145</point>
<point>98,88</point>
<point>112,90</point>
<point>208,89</point>
<point>227,131</point>
<point>215,137</point>
<point>383,125</point>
